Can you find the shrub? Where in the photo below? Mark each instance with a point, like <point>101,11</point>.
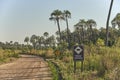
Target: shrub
<point>6,54</point>
<point>66,59</point>
<point>49,53</point>
<point>57,53</point>
<point>100,42</point>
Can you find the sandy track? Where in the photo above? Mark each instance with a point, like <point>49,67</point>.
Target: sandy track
<point>27,67</point>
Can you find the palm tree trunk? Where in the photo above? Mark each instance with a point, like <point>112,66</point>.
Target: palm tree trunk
<point>90,33</point>
<point>79,37</point>
<point>59,29</point>
<point>68,34</point>
<point>82,34</point>
<point>107,23</point>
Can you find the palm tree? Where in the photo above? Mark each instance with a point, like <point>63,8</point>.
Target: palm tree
<point>41,41</point>
<point>82,25</point>
<point>56,16</point>
<point>90,24</point>
<point>67,15</point>
<point>77,33</point>
<point>26,40</point>
<point>116,21</point>
<point>107,23</point>
<point>33,40</point>
<point>46,34</point>
<point>51,41</point>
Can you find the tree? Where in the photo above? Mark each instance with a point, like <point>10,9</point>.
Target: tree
<point>11,42</point>
<point>51,41</point>
<point>46,34</point>
<point>64,36</point>
<point>33,40</point>
<point>41,41</point>
<point>77,36</point>
<point>107,23</point>
<point>116,21</point>
<point>26,40</point>
<point>56,16</point>
<point>67,15</point>
<point>81,24</point>
<point>15,45</point>
<point>90,24</point>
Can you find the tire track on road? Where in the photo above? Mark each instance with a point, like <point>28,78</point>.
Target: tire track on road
<point>28,67</point>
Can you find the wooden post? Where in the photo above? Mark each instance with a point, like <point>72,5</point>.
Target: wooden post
<point>74,66</point>
<point>81,66</point>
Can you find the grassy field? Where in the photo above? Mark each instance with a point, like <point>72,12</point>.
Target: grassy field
<point>101,63</point>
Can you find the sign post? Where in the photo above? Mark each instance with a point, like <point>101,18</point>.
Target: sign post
<point>78,55</point>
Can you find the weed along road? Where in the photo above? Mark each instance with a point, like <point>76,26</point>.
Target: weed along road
<point>27,67</point>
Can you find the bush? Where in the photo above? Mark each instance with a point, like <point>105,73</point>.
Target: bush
<point>100,42</point>
<point>5,54</point>
<point>49,53</point>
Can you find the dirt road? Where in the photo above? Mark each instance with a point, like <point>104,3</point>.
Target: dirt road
<point>27,67</point>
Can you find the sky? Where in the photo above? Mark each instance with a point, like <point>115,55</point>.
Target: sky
<point>21,18</point>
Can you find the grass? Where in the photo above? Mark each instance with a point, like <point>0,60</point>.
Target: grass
<point>54,70</point>
<point>99,64</point>
<point>8,55</point>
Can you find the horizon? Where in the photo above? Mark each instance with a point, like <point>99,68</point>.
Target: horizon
<point>19,19</point>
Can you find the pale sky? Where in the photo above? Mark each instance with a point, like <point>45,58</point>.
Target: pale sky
<point>21,18</point>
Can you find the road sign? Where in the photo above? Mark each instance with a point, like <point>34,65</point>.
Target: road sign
<point>78,53</point>
<point>78,50</point>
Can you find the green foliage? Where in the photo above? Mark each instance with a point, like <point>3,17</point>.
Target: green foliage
<point>25,50</point>
<point>54,70</point>
<point>60,50</point>
<point>100,63</point>
<point>117,44</point>
<point>100,42</point>
<point>7,54</point>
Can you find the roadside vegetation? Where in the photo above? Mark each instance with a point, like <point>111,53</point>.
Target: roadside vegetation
<point>54,70</point>
<point>8,55</point>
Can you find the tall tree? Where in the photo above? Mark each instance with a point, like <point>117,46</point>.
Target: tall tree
<point>90,24</point>
<point>82,25</point>
<point>116,21</point>
<point>67,15</point>
<point>56,16</point>
<point>77,36</point>
<point>33,40</point>
<point>15,45</point>
<point>41,41</point>
<point>46,34</point>
<point>51,41</point>
<point>26,40</point>
<point>107,23</point>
